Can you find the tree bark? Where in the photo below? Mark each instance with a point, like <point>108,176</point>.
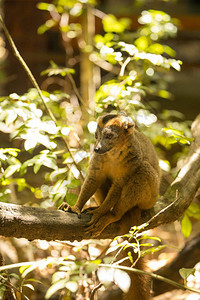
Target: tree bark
<point>37,223</point>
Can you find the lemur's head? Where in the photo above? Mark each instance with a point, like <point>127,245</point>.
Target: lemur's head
<point>111,131</point>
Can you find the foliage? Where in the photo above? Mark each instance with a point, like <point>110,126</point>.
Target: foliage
<point>58,9</point>
<point>72,276</point>
<point>186,273</point>
<point>41,137</point>
<point>193,211</point>
<point>144,63</point>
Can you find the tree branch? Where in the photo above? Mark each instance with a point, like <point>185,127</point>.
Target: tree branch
<point>37,223</point>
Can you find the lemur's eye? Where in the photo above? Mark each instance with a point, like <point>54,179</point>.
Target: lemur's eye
<point>109,135</point>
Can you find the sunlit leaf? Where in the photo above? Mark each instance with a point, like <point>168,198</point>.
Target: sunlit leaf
<point>73,183</point>
<point>16,276</point>
<point>26,271</point>
<point>55,287</point>
<point>122,279</point>
<point>111,24</point>
<point>105,275</point>
<point>176,136</point>
<point>149,238</point>
<point>30,286</point>
<point>186,272</point>
<point>11,151</point>
<point>130,257</point>
<point>71,198</point>
<point>45,6</point>
<point>186,226</point>
<point>72,286</point>
<point>152,250</point>
<point>23,268</point>
<point>30,144</point>
<point>194,211</point>
<point>176,64</point>
<point>34,280</point>
<point>91,267</point>
<point>194,208</point>
<point>11,170</point>
<point>55,70</point>
<point>46,26</point>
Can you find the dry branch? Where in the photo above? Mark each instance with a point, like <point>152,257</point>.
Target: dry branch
<point>37,223</point>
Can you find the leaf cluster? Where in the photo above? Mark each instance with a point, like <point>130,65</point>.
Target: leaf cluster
<point>40,138</point>
<point>193,212</point>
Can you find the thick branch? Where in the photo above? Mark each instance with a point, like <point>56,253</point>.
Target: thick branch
<point>182,191</point>
<point>37,223</point>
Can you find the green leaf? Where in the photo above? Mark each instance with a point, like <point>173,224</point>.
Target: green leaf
<point>12,151</point>
<point>122,279</point>
<point>26,271</point>
<point>105,275</point>
<point>90,267</point>
<point>55,287</point>
<point>46,26</point>
<point>16,276</point>
<point>30,286</point>
<point>176,64</point>
<point>71,198</point>
<point>111,24</point>
<point>152,250</point>
<point>194,211</point>
<point>186,272</point>
<point>45,6</point>
<point>146,245</point>
<point>55,70</point>
<point>34,280</point>
<point>72,286</point>
<point>130,257</point>
<point>36,167</point>
<point>23,268</point>
<point>149,238</point>
<point>74,183</point>
<point>186,226</point>
<point>194,208</point>
<point>11,170</point>
<point>176,136</point>
<point>45,158</point>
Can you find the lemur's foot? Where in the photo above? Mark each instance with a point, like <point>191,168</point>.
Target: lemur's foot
<point>73,209</point>
<point>90,210</point>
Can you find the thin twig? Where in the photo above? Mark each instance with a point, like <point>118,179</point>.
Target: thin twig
<point>78,94</point>
<point>13,287</point>
<point>155,276</point>
<point>123,67</point>
<point>145,226</point>
<point>94,290</point>
<point>99,14</point>
<point>134,270</point>
<point>35,84</point>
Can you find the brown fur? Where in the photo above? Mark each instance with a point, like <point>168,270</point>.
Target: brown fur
<point>123,173</point>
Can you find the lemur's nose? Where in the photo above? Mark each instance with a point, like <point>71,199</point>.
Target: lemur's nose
<point>97,148</point>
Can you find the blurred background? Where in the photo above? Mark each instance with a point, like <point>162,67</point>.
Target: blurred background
<point>29,28</point>
<point>23,20</point>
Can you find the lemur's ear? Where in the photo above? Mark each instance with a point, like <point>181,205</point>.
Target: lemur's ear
<point>127,122</point>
